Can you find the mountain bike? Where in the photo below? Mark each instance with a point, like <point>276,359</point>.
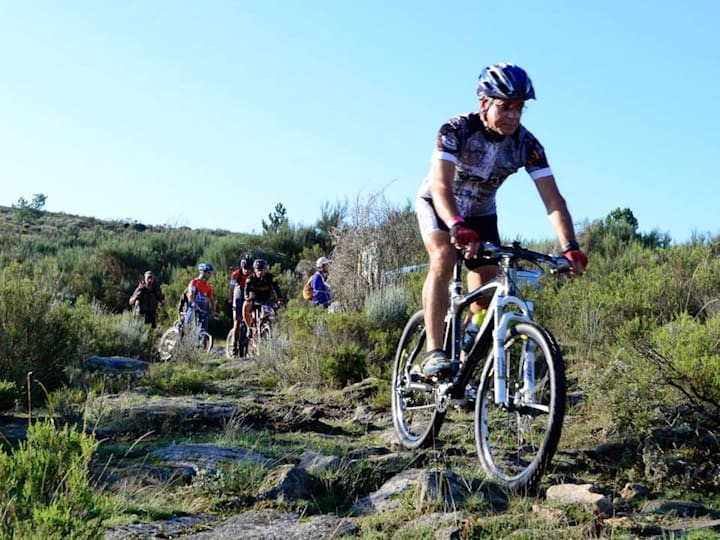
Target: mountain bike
<point>515,364</point>
<point>261,321</point>
<point>192,332</point>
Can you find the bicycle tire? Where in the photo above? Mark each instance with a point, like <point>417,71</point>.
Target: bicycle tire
<point>416,417</point>
<point>265,332</point>
<point>205,341</point>
<point>230,345</point>
<point>168,342</point>
<point>515,445</point>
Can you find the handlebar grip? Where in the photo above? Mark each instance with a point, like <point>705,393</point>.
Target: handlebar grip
<point>562,265</point>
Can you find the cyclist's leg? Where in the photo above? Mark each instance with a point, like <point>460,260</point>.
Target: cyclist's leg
<point>204,320</point>
<point>247,307</point>
<point>441,254</point>
<point>435,289</point>
<point>237,319</point>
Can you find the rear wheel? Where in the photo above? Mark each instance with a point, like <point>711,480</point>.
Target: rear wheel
<point>168,342</point>
<point>515,443</point>
<point>415,413</point>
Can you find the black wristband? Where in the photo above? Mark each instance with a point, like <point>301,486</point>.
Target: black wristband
<point>570,246</point>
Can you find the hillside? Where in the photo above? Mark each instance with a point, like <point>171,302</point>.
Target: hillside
<point>25,222</point>
<point>301,436</point>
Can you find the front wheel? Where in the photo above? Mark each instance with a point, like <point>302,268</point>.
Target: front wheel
<point>415,413</point>
<point>517,440</point>
<point>231,348</point>
<point>168,342</point>
<point>205,341</point>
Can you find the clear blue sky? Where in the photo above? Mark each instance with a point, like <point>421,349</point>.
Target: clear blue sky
<point>207,114</point>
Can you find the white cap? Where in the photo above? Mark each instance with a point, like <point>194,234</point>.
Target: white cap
<point>321,261</point>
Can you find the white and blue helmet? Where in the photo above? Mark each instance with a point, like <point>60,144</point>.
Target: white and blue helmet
<point>505,81</point>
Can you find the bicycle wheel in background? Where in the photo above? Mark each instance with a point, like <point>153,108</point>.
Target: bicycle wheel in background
<point>205,341</point>
<point>515,445</point>
<point>265,333</point>
<point>168,342</point>
<point>415,414</point>
<point>261,338</point>
<point>230,346</point>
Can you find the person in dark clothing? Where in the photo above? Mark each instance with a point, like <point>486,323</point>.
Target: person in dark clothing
<point>146,297</point>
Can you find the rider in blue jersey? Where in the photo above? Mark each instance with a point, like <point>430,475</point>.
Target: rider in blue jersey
<point>474,154</point>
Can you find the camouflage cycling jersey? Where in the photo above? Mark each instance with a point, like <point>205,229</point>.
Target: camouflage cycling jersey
<point>483,160</point>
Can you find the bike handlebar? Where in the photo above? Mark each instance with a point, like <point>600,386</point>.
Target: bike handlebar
<point>559,264</point>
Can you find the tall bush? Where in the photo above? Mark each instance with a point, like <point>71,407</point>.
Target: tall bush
<point>42,333</point>
<point>380,238</point>
<point>46,491</point>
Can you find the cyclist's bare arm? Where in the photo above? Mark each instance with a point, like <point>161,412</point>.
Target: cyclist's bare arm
<point>190,295</point>
<point>558,212</point>
<point>442,173</point>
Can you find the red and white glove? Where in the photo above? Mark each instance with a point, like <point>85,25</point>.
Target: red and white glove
<point>460,235</point>
<point>572,252</point>
<point>575,255</point>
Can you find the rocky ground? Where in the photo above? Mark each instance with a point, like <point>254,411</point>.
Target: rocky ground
<point>329,467</point>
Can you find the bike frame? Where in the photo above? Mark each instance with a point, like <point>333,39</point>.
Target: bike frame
<point>505,309</point>
<point>262,313</point>
<point>196,323</point>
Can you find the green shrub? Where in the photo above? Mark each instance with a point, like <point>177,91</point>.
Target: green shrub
<point>176,379</point>
<point>46,490</point>
<point>387,307</point>
<point>47,336</point>
<point>345,365</point>
<point>686,354</point>
<point>8,394</point>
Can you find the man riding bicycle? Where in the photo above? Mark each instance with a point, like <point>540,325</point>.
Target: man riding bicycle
<point>236,298</point>
<point>259,288</point>
<point>474,154</point>
<point>200,295</point>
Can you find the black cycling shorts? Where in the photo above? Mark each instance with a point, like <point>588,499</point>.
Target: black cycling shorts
<point>485,226</point>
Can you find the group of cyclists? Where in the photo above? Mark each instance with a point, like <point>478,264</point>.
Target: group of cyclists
<point>252,286</point>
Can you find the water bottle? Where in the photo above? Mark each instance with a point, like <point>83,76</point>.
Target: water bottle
<point>472,329</point>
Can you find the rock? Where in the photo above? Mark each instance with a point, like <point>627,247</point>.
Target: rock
<point>316,464</point>
<point>117,364</point>
<point>679,508</point>
<point>206,459</point>
<point>169,528</point>
<point>389,495</point>
<point>634,491</point>
<point>289,483</point>
<point>580,494</point>
<point>271,524</point>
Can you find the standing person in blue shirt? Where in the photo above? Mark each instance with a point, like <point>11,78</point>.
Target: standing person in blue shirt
<point>321,292</point>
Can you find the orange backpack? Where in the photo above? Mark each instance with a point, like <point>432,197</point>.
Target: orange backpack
<point>307,289</point>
